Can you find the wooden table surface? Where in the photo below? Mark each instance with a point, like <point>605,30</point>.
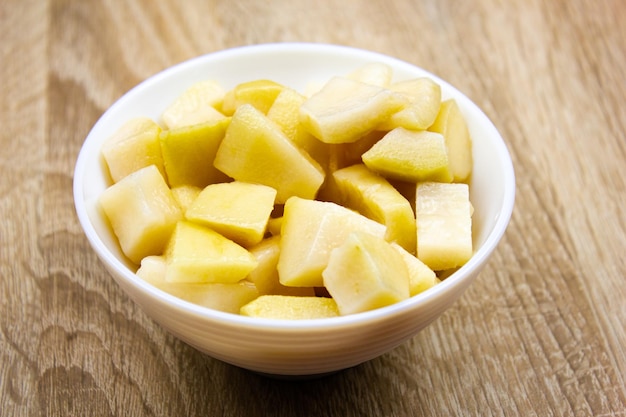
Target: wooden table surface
<point>540,333</point>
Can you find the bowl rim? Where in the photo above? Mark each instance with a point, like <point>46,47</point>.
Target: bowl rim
<point>478,259</point>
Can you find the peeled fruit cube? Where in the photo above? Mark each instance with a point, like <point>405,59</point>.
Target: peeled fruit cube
<point>152,269</point>
<point>185,195</point>
<point>373,196</point>
<point>196,253</point>
<point>444,224</point>
<point>285,112</point>
<point>133,146</point>
<point>311,229</point>
<point>265,275</point>
<point>424,101</point>
<point>256,150</point>
<point>344,110</point>
<point>285,307</point>
<point>411,156</point>
<point>374,73</point>
<point>258,93</point>
<point>197,104</point>
<point>313,86</point>
<point>342,155</point>
<point>238,210</point>
<point>142,212</point>
<point>421,277</point>
<point>189,152</point>
<point>364,273</point>
<point>274,224</point>
<point>228,298</point>
<point>452,125</point>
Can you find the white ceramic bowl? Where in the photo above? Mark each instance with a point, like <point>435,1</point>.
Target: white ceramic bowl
<point>279,347</point>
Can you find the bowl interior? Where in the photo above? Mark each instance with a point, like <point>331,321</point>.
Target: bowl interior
<point>492,186</point>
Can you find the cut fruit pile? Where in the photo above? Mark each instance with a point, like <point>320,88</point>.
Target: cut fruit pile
<point>267,202</point>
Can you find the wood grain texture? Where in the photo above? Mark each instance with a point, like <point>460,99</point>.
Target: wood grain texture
<point>540,333</point>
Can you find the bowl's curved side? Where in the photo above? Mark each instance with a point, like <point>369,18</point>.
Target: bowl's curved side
<point>309,349</point>
<point>280,347</point>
